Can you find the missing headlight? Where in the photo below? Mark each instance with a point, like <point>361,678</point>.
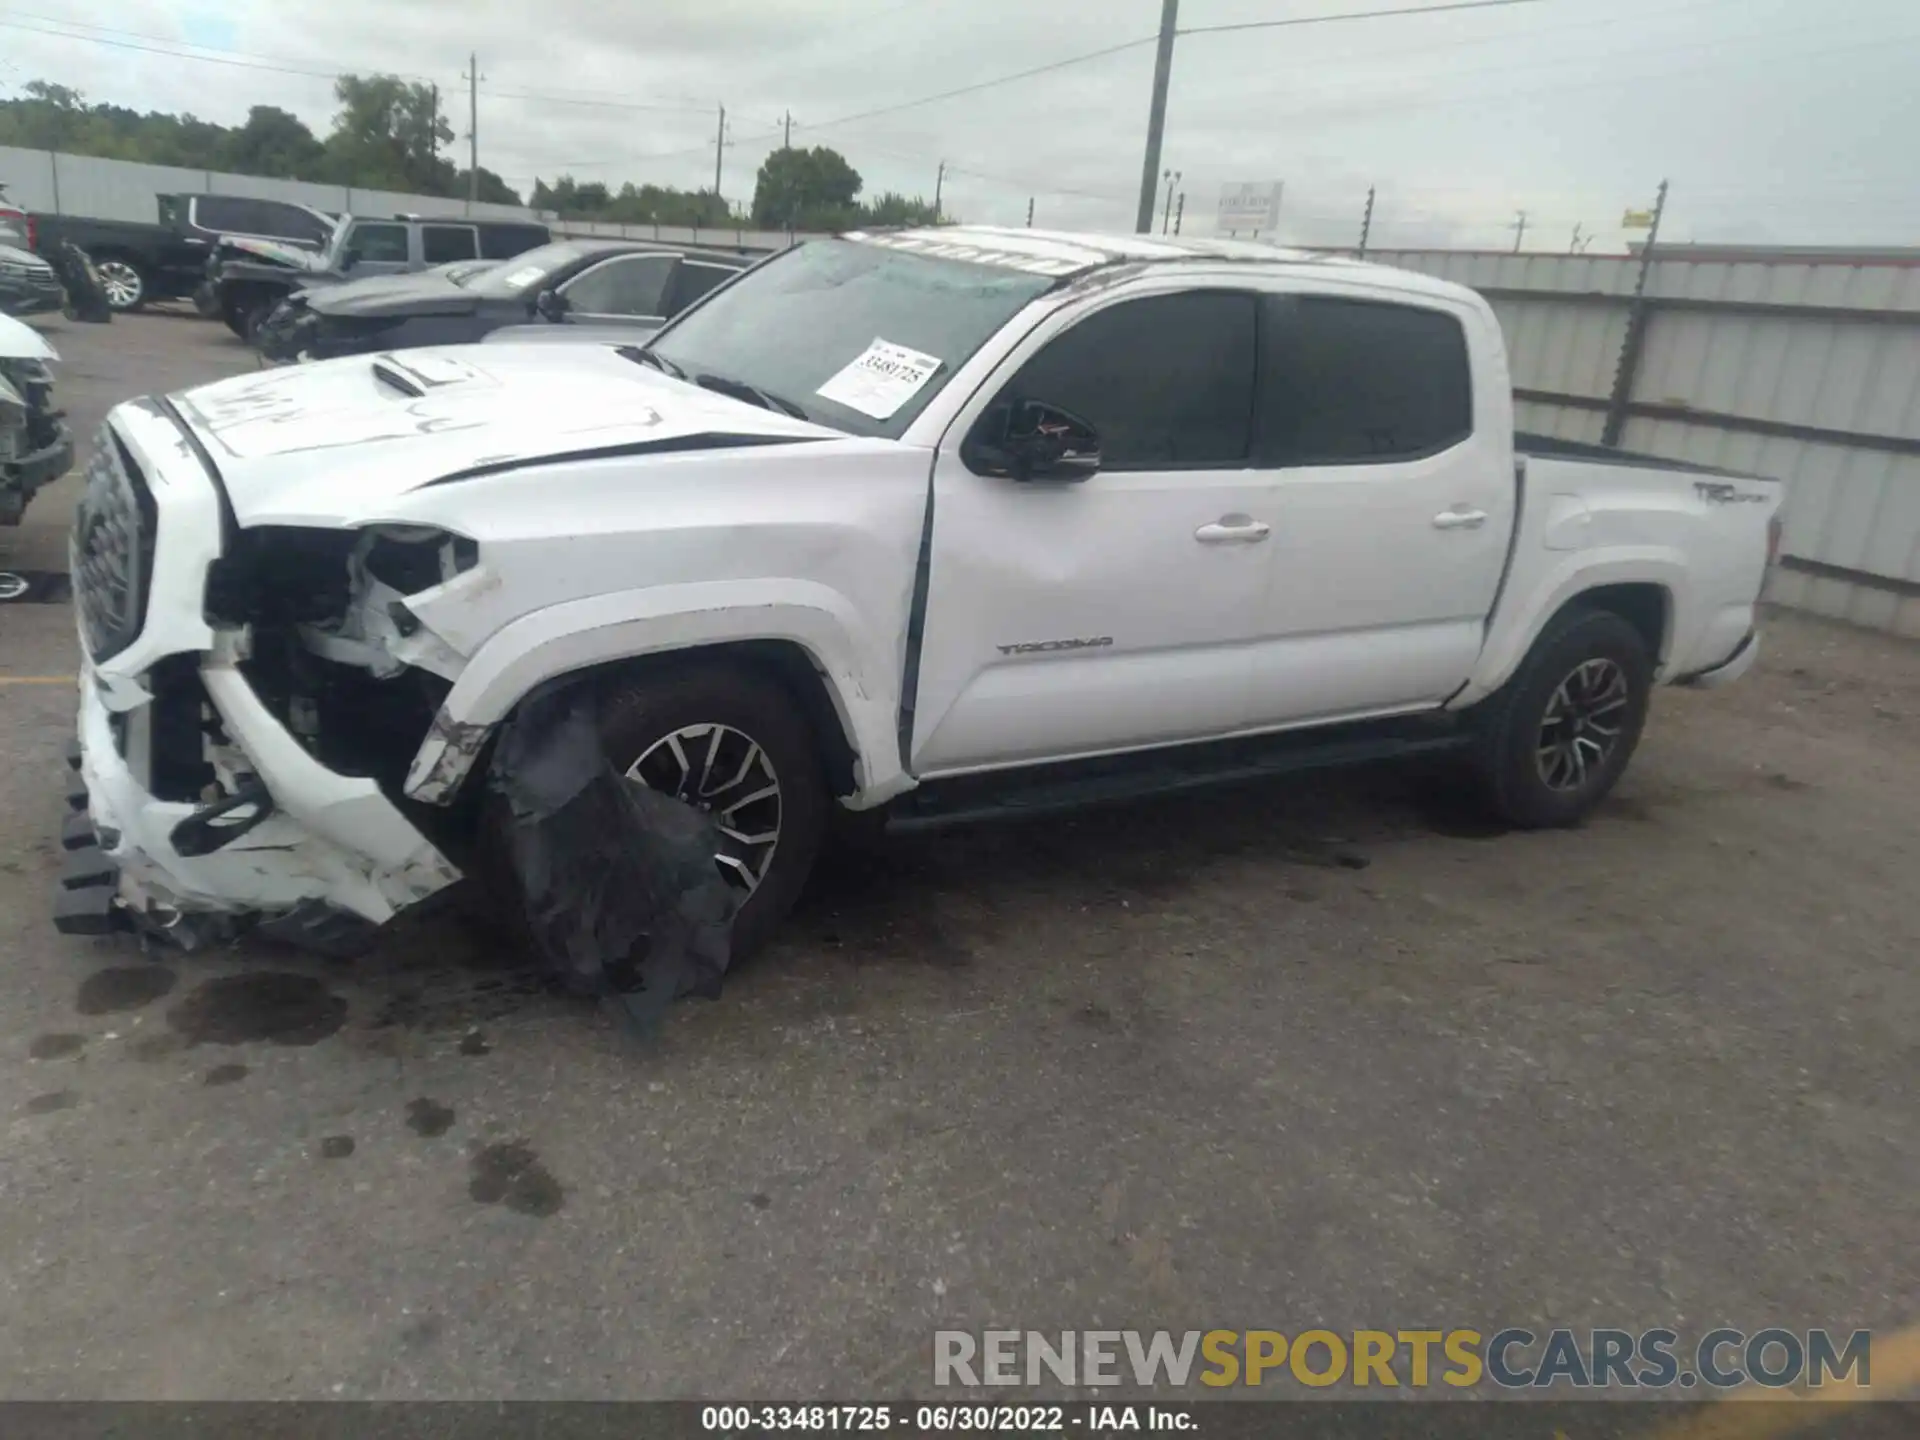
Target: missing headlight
<point>412,558</point>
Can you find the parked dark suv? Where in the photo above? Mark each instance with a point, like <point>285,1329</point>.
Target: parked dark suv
<point>251,277</point>
<point>168,261</point>
<point>617,290</point>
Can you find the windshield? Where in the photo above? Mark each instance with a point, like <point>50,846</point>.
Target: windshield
<point>859,335</point>
<point>524,272</point>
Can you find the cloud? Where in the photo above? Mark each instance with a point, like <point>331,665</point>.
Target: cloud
<point>1768,115</point>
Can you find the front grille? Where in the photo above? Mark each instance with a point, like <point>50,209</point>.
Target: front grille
<point>112,549</point>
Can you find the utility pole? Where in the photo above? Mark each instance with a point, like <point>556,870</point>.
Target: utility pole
<point>1366,224</point>
<point>433,126</point>
<point>719,149</point>
<point>1030,212</point>
<point>473,129</point>
<point>786,142</point>
<point>1519,228</point>
<point>939,184</point>
<point>1172,178</point>
<point>1157,114</point>
<point>1179,212</point>
<point>1636,340</point>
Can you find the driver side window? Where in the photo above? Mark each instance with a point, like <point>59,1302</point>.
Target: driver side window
<point>1164,382</point>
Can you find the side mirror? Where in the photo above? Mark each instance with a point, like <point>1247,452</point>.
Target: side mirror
<point>1032,440</point>
<point>551,305</point>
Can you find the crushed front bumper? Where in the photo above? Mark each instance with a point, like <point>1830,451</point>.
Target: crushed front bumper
<point>293,839</point>
<point>20,478</point>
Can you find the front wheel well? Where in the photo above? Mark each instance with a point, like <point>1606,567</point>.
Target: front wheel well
<point>787,662</point>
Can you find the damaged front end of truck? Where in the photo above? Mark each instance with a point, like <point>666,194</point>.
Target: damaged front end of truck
<point>252,702</point>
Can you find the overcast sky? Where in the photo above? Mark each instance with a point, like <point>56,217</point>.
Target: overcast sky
<point>1776,120</point>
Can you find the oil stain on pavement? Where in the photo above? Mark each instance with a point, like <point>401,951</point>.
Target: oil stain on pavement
<point>106,992</point>
<point>512,1175</point>
<point>225,1075</point>
<point>429,1117</point>
<point>55,1047</point>
<point>271,1006</point>
<point>52,1101</point>
<point>336,1147</point>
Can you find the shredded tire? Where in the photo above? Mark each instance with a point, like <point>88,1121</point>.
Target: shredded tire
<point>636,713</point>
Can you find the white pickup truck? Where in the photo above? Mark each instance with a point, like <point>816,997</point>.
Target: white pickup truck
<point>938,523</point>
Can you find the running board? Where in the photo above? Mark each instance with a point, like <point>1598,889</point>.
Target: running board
<point>1076,784</point>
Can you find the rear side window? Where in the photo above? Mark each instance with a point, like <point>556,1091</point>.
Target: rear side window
<point>627,285</point>
<point>693,279</point>
<point>441,243</point>
<point>269,219</point>
<point>1355,382</point>
<point>502,242</point>
<point>1166,381</point>
<point>379,241</point>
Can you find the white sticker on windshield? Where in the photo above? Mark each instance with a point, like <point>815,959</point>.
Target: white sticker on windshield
<point>521,278</point>
<point>881,379</point>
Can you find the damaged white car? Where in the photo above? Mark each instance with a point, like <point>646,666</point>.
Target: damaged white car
<point>943,524</point>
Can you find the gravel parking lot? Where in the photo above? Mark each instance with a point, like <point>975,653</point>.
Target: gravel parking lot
<point>1321,1053</point>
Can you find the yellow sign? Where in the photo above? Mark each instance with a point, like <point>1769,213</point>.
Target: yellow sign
<point>1637,220</point>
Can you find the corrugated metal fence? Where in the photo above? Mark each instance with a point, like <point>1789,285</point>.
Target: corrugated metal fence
<point>1806,368</point>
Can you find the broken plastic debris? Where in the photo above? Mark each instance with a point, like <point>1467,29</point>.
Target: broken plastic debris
<point>621,891</point>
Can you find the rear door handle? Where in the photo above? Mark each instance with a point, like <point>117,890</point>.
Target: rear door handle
<point>1459,519</point>
<point>1232,529</point>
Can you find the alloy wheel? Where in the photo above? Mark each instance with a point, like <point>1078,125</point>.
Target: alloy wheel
<point>1582,724</point>
<point>121,282</point>
<point>724,772</point>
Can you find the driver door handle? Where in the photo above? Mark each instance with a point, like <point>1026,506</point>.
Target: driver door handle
<point>1459,519</point>
<point>1233,529</point>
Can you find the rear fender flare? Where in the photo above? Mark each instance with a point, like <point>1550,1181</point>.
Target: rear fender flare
<point>1524,614</point>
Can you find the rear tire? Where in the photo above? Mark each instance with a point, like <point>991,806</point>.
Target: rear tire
<point>1557,737</point>
<point>124,282</point>
<point>643,721</point>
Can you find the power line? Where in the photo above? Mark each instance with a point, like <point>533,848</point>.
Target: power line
<point>988,84</point>
<point>248,60</point>
<point>177,45</point>
<point>230,59</point>
<point>1356,15</point>
<point>703,109</point>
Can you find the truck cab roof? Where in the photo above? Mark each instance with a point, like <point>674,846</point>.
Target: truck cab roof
<point>1075,255</point>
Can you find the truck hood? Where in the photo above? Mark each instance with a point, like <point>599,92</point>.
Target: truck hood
<point>291,256</point>
<point>339,441</point>
<point>19,342</point>
<point>395,295</point>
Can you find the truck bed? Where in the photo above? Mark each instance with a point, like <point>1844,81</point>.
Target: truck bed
<point>1550,447</point>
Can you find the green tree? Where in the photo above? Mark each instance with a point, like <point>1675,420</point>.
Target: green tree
<point>273,142</point>
<point>892,208</point>
<point>805,190</point>
<point>493,189</point>
<point>387,135</point>
<point>51,116</point>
